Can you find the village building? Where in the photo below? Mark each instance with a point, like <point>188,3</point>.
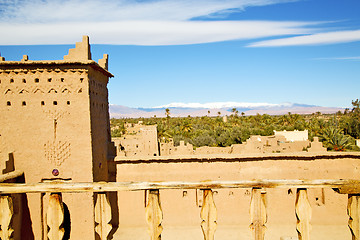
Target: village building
<point>293,136</point>
<point>142,140</point>
<point>55,126</point>
<point>139,140</point>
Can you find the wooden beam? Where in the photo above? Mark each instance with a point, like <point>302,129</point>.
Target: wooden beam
<point>354,216</point>
<point>103,216</point>
<point>208,215</point>
<point>154,215</point>
<point>303,214</point>
<point>55,217</point>
<point>258,214</point>
<point>6,214</point>
<point>10,175</point>
<point>6,188</point>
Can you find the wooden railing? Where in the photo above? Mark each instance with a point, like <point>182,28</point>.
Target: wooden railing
<point>153,211</point>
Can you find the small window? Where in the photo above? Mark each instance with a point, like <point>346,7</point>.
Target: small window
<point>24,103</point>
<point>81,80</point>
<point>68,102</point>
<point>49,79</point>
<point>24,80</point>
<point>62,79</point>
<point>8,103</point>
<point>42,103</point>
<point>11,80</point>
<point>55,102</point>
<point>37,80</point>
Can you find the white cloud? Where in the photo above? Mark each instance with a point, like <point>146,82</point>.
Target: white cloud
<point>150,22</point>
<point>118,10</point>
<point>147,32</point>
<point>217,105</point>
<point>313,39</point>
<point>339,58</point>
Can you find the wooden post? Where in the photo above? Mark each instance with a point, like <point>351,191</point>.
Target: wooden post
<point>55,217</point>
<point>102,216</point>
<point>6,214</point>
<point>354,215</point>
<point>303,214</point>
<point>258,214</point>
<point>154,215</point>
<point>208,215</point>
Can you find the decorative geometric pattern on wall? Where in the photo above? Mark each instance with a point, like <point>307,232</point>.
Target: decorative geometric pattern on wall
<point>57,152</point>
<point>56,114</point>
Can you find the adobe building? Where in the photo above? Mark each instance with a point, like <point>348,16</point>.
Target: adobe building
<point>55,127</point>
<point>293,136</point>
<point>139,140</point>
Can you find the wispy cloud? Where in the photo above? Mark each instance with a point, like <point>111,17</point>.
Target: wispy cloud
<point>313,39</point>
<point>148,32</point>
<point>35,11</point>
<point>151,22</point>
<point>356,58</point>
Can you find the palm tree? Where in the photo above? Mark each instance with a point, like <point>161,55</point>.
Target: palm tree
<point>334,139</point>
<point>235,111</point>
<point>167,112</point>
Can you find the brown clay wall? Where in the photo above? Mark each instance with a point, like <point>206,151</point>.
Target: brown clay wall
<point>43,111</point>
<point>100,126</point>
<point>181,208</point>
<point>45,125</point>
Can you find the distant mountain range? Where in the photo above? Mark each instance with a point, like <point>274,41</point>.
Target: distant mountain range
<point>224,108</point>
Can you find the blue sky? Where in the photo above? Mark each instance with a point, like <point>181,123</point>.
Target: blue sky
<point>166,51</point>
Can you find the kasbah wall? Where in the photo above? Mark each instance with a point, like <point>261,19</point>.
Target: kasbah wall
<point>54,125</point>
<point>246,161</point>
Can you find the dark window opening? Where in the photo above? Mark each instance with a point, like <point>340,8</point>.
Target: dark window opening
<point>37,80</point>
<point>11,80</point>
<point>68,102</point>
<point>49,79</point>
<point>62,79</point>
<point>42,103</point>
<point>24,80</point>
<point>81,80</point>
<point>24,103</point>
<point>8,103</point>
<point>55,102</point>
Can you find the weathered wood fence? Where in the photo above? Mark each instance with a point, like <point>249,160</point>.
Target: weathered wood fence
<point>153,211</point>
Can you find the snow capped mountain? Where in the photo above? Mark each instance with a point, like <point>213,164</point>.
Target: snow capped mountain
<point>216,109</point>
<point>215,105</point>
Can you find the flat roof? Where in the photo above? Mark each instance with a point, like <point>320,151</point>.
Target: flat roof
<point>44,63</point>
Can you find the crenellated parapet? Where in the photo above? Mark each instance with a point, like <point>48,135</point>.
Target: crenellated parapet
<point>80,52</point>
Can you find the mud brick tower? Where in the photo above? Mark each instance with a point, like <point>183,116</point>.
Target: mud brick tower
<point>54,126</point>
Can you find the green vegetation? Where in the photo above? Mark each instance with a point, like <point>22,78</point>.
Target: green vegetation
<point>337,131</point>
